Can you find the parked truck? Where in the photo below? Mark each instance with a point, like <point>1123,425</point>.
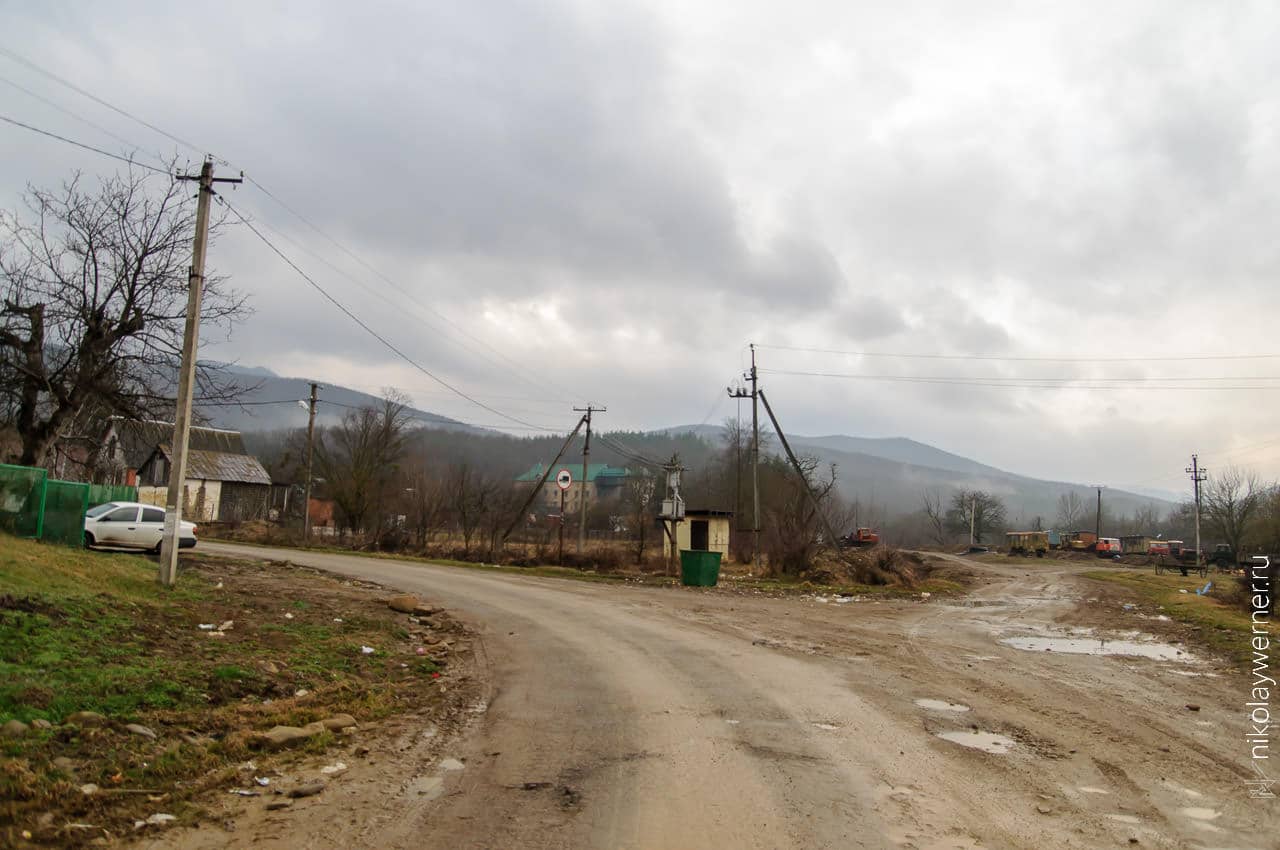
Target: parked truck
<point>862,538</point>
<point>1027,542</point>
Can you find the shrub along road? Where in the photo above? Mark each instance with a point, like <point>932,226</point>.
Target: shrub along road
<point>623,716</point>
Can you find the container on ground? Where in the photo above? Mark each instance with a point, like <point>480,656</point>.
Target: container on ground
<point>698,568</point>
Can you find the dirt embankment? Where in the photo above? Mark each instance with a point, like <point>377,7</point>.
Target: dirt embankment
<point>130,709</point>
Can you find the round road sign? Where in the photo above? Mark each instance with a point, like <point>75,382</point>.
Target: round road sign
<point>564,479</point>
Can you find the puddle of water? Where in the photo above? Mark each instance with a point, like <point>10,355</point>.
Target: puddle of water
<point>1124,818</point>
<point>941,705</point>
<point>1087,789</point>
<point>1094,646</point>
<point>451,764</point>
<point>1198,813</point>
<point>430,787</point>
<point>988,742</point>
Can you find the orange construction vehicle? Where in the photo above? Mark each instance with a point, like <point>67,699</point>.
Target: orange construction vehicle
<point>862,538</point>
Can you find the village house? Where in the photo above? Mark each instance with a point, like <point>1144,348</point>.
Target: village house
<point>605,483</point>
<point>224,483</point>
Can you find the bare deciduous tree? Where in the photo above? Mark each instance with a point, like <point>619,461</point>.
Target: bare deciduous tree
<point>1231,502</point>
<point>936,517</point>
<point>358,460</point>
<point>94,295</point>
<point>978,509</point>
<point>1070,511</point>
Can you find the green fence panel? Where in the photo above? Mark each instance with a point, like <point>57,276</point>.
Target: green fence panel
<point>22,491</point>
<point>64,505</point>
<point>100,494</point>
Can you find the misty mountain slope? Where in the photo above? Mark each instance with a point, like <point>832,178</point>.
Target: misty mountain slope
<point>335,401</point>
<point>893,474</point>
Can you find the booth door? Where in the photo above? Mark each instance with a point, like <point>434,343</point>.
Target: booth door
<point>699,534</point>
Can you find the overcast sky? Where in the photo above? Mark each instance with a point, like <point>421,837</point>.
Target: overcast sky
<point>608,201</point>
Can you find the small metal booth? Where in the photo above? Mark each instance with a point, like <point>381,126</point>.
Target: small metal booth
<point>702,530</point>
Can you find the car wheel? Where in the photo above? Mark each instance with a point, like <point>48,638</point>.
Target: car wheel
<point>89,542</point>
<point>155,550</point>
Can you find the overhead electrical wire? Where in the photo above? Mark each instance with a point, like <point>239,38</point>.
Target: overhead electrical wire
<point>22,60</point>
<point>440,317</point>
<point>116,156</point>
<point>1031,383</point>
<point>368,329</point>
<point>1018,359</point>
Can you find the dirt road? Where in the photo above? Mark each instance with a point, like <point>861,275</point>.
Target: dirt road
<point>634,717</point>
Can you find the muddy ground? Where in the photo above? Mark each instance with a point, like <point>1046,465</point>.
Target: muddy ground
<point>625,716</point>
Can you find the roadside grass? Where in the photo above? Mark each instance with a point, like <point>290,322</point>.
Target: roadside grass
<point>1222,628</point>
<point>729,579</point>
<point>92,631</point>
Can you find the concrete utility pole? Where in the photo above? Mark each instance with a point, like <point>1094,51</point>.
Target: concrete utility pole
<point>1198,474</point>
<point>168,573</point>
<point>804,482</point>
<point>973,518</point>
<point>586,454</point>
<point>311,433</point>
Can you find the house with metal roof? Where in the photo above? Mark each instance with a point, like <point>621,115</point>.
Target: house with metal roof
<point>604,483</point>
<point>224,483</point>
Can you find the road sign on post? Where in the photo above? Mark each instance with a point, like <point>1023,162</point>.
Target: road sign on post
<point>564,479</point>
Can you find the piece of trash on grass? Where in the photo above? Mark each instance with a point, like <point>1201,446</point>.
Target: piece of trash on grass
<point>336,767</point>
<point>218,586</point>
<point>367,650</point>
<point>1202,591</point>
<point>262,780</point>
<point>301,692</point>
<point>337,619</point>
<point>207,627</point>
<point>160,818</point>
<point>245,792</point>
<point>288,616</point>
<point>227,626</point>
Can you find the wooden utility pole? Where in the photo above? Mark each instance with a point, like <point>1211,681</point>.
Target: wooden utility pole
<point>755,463</point>
<point>537,488</point>
<point>311,433</point>
<point>586,455</point>
<point>1097,522</point>
<point>168,573</point>
<point>1198,474</point>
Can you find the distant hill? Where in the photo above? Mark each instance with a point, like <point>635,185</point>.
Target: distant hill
<point>890,473</point>
<point>261,412</point>
<point>893,473</point>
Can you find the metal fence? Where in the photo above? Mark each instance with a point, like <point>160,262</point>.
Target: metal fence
<point>36,506</point>
<point>22,491</point>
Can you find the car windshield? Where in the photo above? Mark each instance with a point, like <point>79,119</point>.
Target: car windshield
<point>99,510</point>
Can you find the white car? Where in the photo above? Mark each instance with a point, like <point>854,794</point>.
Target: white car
<point>131,525</point>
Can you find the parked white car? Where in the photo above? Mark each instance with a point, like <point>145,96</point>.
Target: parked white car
<point>131,525</point>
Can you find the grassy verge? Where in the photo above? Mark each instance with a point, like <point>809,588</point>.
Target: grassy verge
<point>729,578</point>
<point>1219,625</point>
<point>89,631</point>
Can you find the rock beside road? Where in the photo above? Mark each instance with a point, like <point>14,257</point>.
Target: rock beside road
<point>339,722</point>
<point>14,729</point>
<point>404,604</point>
<point>309,790</point>
<point>284,736</point>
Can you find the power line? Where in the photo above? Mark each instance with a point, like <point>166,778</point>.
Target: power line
<point>124,159</point>
<point>527,376</point>
<point>71,113</point>
<point>379,337</point>
<point>1030,383</point>
<point>919,356</point>
<point>22,60</point>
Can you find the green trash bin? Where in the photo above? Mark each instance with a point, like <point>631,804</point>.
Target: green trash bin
<point>699,569</point>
